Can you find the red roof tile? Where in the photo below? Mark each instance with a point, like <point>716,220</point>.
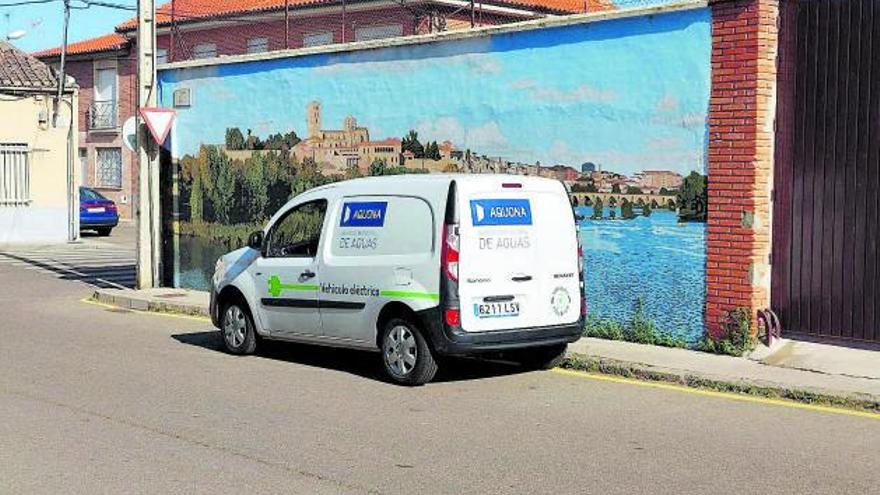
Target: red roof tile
<point>190,10</point>
<point>108,42</point>
<point>20,70</point>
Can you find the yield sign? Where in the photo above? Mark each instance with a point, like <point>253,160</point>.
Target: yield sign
<point>158,121</point>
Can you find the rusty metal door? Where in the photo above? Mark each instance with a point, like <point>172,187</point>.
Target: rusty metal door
<point>826,277</point>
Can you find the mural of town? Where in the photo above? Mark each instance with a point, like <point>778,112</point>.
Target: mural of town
<point>629,144</point>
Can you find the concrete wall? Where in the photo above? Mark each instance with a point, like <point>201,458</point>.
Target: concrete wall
<point>629,91</point>
<point>45,218</point>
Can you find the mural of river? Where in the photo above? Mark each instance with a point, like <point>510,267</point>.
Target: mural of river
<point>197,259</point>
<point>655,258</point>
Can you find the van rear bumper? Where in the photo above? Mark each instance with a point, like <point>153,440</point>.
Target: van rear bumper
<point>455,341</point>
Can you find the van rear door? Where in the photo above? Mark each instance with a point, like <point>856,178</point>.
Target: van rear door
<point>518,255</point>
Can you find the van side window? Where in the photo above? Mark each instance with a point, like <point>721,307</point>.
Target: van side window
<point>296,234</point>
<point>382,226</point>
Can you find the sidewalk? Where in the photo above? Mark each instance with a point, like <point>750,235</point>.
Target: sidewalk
<point>804,371</point>
<point>820,373</point>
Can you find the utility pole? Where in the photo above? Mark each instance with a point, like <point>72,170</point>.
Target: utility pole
<point>148,251</point>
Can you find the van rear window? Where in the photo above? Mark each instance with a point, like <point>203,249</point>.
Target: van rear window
<point>378,225</point>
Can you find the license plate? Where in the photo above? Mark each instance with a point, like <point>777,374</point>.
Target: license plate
<point>96,210</point>
<point>496,309</point>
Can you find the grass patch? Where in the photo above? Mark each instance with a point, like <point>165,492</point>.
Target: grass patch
<point>641,329</point>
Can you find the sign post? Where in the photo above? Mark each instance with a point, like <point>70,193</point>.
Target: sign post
<point>148,157</point>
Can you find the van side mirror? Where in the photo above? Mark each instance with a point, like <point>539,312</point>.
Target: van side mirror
<point>255,240</point>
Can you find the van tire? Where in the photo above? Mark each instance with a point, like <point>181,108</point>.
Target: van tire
<point>397,335</point>
<point>543,358</point>
<point>237,328</point>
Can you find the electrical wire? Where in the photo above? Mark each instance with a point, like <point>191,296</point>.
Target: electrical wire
<point>25,2</point>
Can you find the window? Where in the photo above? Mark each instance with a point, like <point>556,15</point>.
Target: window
<point>14,174</point>
<point>161,56</point>
<point>204,50</point>
<point>318,39</point>
<point>257,45</point>
<point>297,234</point>
<point>378,32</point>
<point>84,165</point>
<point>401,226</point>
<point>108,165</point>
<point>103,109</point>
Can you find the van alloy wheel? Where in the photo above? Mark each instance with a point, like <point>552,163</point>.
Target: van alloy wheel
<point>234,327</point>
<point>401,351</point>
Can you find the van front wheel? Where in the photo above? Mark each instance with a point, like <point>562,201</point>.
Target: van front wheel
<point>405,353</point>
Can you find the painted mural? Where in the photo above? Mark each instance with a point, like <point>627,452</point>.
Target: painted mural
<point>616,109</point>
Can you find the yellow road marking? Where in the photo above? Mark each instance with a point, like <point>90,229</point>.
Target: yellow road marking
<point>141,312</point>
<point>721,395</point>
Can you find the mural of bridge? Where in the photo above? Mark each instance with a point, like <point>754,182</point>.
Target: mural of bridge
<point>589,198</point>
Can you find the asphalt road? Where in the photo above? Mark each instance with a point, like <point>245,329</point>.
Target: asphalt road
<point>94,400</point>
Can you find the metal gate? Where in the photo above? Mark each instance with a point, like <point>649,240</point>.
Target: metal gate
<point>826,276</point>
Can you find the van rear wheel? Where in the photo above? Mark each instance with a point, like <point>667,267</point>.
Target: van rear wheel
<point>406,356</point>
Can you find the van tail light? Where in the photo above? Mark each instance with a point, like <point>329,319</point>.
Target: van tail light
<point>580,260</point>
<point>450,251</point>
<point>453,317</point>
<point>580,251</point>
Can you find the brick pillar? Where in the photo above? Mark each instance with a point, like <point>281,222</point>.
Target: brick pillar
<point>740,157</point>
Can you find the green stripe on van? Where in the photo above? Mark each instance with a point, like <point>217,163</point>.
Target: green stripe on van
<point>410,295</point>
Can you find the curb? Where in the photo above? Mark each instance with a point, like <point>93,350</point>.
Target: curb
<point>639,371</point>
<point>124,300</point>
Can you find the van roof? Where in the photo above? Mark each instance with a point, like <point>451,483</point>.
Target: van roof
<point>404,183</point>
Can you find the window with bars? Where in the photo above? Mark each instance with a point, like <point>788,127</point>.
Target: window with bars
<point>257,45</point>
<point>318,39</point>
<point>15,173</point>
<point>108,167</point>
<point>367,33</point>
<point>204,50</point>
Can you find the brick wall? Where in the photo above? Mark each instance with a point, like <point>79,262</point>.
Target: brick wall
<point>741,112</point>
<point>232,39</point>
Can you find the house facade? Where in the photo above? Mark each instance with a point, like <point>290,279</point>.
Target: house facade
<point>38,174</point>
<point>105,69</point>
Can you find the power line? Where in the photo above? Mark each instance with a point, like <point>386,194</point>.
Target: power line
<point>25,2</point>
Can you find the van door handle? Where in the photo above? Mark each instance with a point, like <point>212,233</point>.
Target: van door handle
<point>522,278</point>
<point>307,274</point>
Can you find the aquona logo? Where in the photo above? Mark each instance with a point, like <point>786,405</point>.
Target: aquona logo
<point>507,212</point>
<point>363,214</point>
<point>367,214</point>
<point>501,212</point>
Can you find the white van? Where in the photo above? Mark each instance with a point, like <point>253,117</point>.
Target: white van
<point>413,266</point>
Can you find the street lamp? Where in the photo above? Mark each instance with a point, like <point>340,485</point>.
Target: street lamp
<point>16,35</point>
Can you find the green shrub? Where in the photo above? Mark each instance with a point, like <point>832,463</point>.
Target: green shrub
<point>736,336</point>
<point>603,328</point>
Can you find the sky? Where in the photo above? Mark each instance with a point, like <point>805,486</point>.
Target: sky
<point>629,94</point>
<point>43,22</point>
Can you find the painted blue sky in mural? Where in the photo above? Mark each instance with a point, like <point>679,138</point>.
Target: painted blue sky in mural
<point>630,94</point>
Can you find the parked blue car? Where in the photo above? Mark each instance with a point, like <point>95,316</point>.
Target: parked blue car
<point>96,212</point>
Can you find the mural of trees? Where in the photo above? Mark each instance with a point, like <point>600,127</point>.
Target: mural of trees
<point>693,199</point>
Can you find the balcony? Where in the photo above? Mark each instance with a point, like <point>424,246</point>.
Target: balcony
<point>103,115</point>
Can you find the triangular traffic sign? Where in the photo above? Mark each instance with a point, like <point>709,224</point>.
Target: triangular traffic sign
<point>158,121</point>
